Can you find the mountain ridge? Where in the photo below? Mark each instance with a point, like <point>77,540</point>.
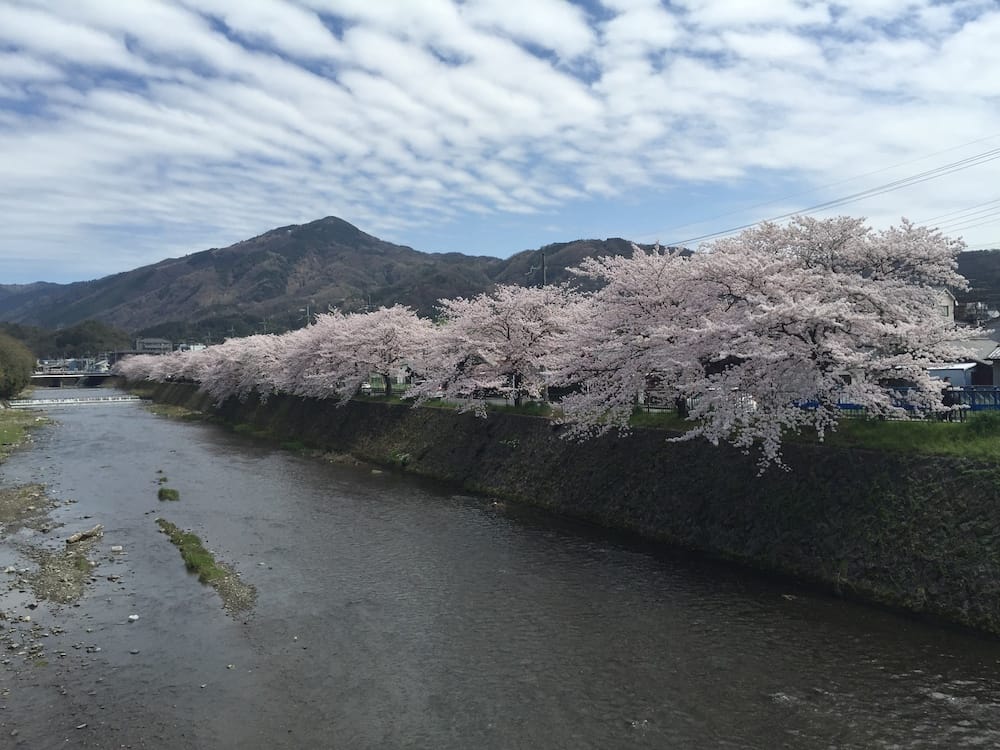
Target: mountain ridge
<point>266,282</point>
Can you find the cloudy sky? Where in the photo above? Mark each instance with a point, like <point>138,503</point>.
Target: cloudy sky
<point>135,130</point>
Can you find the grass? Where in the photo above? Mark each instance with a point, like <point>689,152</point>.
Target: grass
<point>196,558</point>
<point>174,412</point>
<point>978,437</point>
<point>168,493</point>
<point>14,425</point>
<point>666,419</point>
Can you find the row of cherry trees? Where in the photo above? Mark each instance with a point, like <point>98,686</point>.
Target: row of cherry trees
<point>743,332</point>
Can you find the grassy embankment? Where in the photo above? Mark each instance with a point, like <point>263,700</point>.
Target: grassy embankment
<point>14,425</point>
<point>978,437</point>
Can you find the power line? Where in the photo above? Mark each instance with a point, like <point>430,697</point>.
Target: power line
<point>826,186</point>
<point>975,216</point>
<point>958,211</point>
<point>930,174</point>
<point>962,228</point>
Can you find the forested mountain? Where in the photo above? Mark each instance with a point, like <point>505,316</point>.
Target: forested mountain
<point>87,339</point>
<point>265,283</point>
<point>982,269</point>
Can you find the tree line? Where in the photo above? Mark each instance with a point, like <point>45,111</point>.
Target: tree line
<point>17,364</point>
<point>742,334</point>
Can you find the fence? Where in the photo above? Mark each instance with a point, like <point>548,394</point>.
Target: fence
<point>968,398</point>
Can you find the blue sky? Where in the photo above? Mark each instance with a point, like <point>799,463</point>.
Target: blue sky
<point>135,131</point>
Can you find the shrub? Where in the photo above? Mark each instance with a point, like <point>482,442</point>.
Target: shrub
<point>16,366</point>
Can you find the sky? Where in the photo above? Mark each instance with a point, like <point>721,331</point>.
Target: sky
<point>136,130</point>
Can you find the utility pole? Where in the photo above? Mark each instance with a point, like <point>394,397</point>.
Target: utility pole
<point>534,268</point>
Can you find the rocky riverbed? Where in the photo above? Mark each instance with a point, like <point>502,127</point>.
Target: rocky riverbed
<point>59,653</point>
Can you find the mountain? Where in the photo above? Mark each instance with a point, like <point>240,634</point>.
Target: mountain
<point>982,269</point>
<point>267,282</point>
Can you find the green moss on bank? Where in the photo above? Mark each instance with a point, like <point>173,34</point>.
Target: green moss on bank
<point>168,493</point>
<point>197,559</point>
<point>237,596</point>
<point>14,426</point>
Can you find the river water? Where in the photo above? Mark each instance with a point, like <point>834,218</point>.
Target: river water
<point>395,613</point>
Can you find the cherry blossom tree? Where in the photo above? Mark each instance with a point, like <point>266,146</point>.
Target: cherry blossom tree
<point>497,343</point>
<point>767,331</point>
<point>340,352</point>
<point>625,337</point>
<point>137,367</point>
<point>239,367</point>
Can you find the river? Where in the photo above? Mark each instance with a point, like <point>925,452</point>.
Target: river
<point>393,613</point>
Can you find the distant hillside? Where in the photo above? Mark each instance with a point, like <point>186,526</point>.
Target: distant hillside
<point>88,339</point>
<point>982,269</point>
<point>265,283</point>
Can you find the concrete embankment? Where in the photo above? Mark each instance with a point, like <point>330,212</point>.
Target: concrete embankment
<point>916,532</point>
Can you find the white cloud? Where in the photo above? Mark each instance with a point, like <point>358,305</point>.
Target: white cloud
<point>774,46</point>
<point>19,67</point>
<point>282,25</point>
<point>49,35</point>
<point>550,24</point>
<point>421,114</point>
<point>730,13</point>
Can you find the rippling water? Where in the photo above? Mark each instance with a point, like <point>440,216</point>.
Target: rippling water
<point>395,613</point>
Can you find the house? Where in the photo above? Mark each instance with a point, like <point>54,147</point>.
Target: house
<point>980,353</point>
<point>153,346</point>
<point>945,303</point>
<point>955,373</point>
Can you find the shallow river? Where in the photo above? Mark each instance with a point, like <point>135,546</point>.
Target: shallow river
<point>395,613</point>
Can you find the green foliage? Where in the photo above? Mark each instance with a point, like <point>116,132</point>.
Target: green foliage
<point>196,558</point>
<point>168,493</point>
<point>399,458</point>
<point>977,437</point>
<point>662,419</point>
<point>531,409</point>
<point>89,338</point>
<point>974,438</point>
<point>16,365</point>
<point>214,328</point>
<point>14,425</point>
<point>985,424</point>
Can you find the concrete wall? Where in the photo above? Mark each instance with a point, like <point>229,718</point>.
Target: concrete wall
<point>916,532</point>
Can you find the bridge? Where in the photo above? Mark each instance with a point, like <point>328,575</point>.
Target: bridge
<point>59,378</point>
<point>41,403</point>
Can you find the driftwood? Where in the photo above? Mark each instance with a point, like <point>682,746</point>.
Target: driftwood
<point>79,536</point>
